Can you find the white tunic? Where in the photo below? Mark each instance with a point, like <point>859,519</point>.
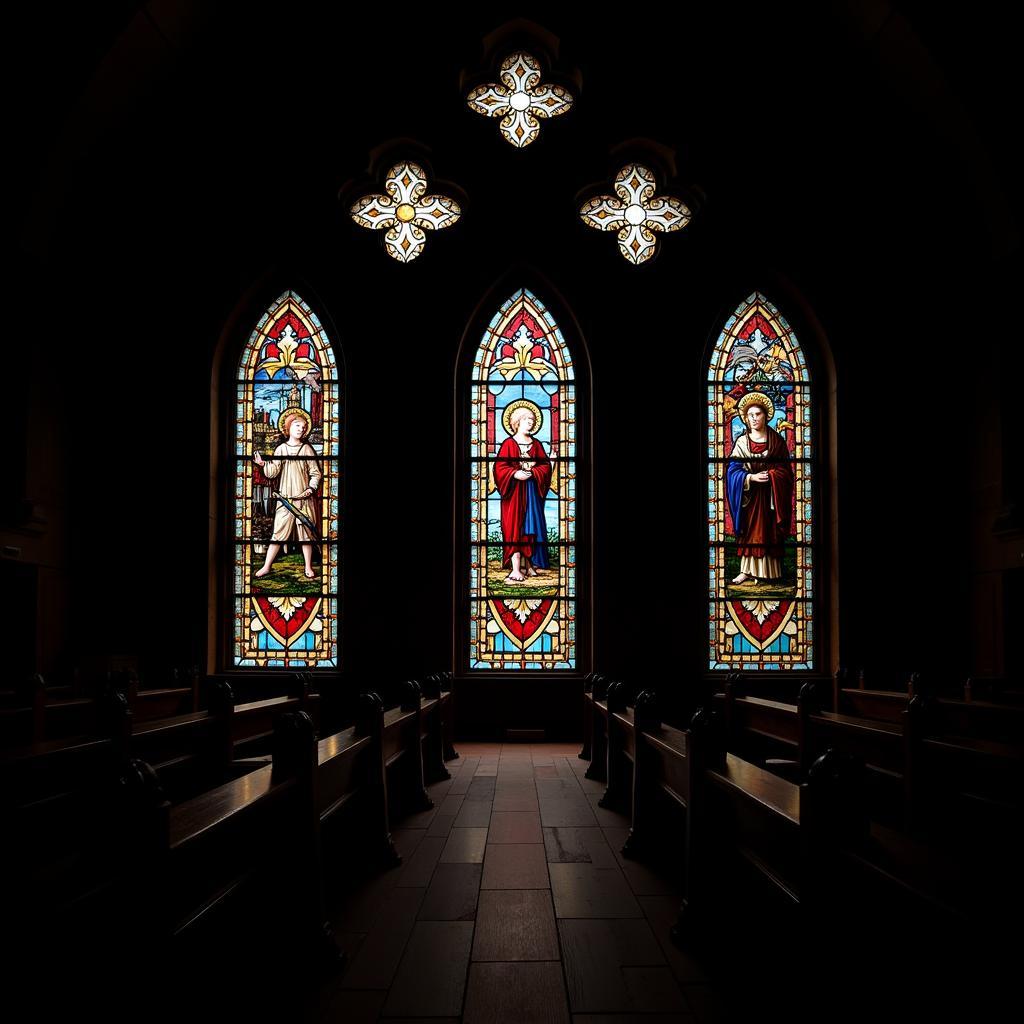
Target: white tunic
<point>295,476</point>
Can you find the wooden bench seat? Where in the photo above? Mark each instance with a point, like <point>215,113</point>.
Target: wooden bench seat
<point>160,702</point>
<point>879,705</point>
<point>758,786</point>
<point>797,871</point>
<point>595,726</point>
<point>760,730</point>
<point>258,840</point>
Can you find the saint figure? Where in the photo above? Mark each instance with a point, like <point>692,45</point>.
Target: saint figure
<point>522,475</point>
<point>298,477</point>
<point>759,486</point>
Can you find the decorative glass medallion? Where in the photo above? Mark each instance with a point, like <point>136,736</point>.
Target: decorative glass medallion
<point>635,212</point>
<point>519,100</point>
<point>405,211</point>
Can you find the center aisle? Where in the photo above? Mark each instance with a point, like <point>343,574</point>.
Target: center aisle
<point>513,903</point>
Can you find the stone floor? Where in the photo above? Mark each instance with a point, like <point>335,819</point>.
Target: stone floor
<point>513,903</point>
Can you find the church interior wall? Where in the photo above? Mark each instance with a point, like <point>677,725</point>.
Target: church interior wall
<point>811,173</point>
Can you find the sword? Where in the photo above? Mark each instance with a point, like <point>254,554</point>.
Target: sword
<point>298,513</point>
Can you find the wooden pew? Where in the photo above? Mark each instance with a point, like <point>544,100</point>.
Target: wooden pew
<point>802,873</point>
<point>443,686</point>
<point>728,805</point>
<point>63,818</point>
<point>760,730</point>
<point>216,876</point>
<point>253,832</point>
<point>177,900</point>
<point>777,828</point>
<point>71,711</point>
<point>979,719</point>
<point>598,712</point>
<point>797,857</point>
<point>35,712</point>
<point>878,705</point>
<point>195,751</point>
<point>402,751</point>
<point>662,780</point>
<point>626,735</point>
<point>880,744</point>
<point>39,712</point>
<point>243,862</point>
<point>438,708</point>
<point>620,746</point>
<point>17,722</point>
<point>750,823</point>
<point>252,725</point>
<point>675,772</point>
<point>64,714</point>
<point>112,721</point>
<point>811,845</point>
<point>589,681</point>
<point>949,758</point>
<point>179,696</point>
<point>880,681</point>
<point>971,716</point>
<point>959,784</point>
<point>996,689</point>
<point>795,860</point>
<point>192,752</point>
<point>189,753</point>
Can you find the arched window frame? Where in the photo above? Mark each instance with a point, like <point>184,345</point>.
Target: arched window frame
<point>819,360</point>
<point>489,306</point>
<point>224,380</point>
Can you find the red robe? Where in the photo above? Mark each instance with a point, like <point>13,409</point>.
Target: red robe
<point>513,494</point>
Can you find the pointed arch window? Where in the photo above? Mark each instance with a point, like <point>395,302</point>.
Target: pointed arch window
<point>523,493</point>
<point>761,495</point>
<point>287,438</point>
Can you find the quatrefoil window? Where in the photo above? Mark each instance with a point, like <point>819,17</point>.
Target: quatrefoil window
<point>635,212</point>
<point>405,211</point>
<point>519,100</point>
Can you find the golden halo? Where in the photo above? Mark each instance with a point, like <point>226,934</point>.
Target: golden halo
<point>756,398</point>
<point>295,411</point>
<point>522,403</point>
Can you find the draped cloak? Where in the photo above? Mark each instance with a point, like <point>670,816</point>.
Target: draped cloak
<point>761,513</point>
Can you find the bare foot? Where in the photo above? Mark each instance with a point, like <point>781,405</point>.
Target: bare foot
<point>742,578</point>
<point>263,571</point>
<point>310,574</point>
<point>515,577</point>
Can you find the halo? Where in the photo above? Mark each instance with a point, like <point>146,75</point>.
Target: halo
<point>522,403</point>
<point>756,398</point>
<point>294,411</point>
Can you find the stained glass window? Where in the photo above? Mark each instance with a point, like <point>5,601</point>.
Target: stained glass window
<point>522,493</point>
<point>635,213</point>
<point>760,495</point>
<point>285,585</point>
<point>405,211</point>
<point>519,99</point>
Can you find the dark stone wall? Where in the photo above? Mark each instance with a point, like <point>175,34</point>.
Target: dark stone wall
<point>197,173</point>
